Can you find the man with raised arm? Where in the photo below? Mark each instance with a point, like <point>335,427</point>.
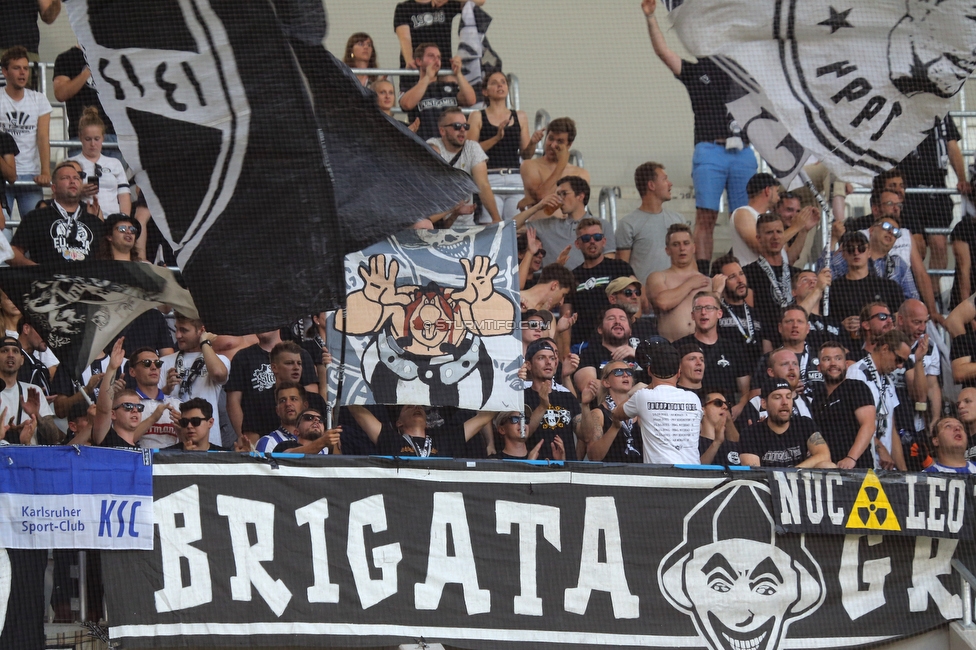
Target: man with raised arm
<point>541,175</point>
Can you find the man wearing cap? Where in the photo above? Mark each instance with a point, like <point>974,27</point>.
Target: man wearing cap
<point>510,425</point>
<point>881,261</point>
<point>625,292</point>
<point>670,417</point>
<point>551,410</point>
<point>33,344</point>
<point>593,276</point>
<point>850,292</point>
<point>876,370</point>
<point>783,439</point>
<point>724,370</point>
<point>195,421</point>
<point>739,322</point>
<point>311,436</point>
<point>62,232</point>
<point>20,399</point>
<point>691,369</point>
<point>616,343</point>
<point>770,276</point>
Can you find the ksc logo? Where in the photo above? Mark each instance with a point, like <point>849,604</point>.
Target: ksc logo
<point>125,518</point>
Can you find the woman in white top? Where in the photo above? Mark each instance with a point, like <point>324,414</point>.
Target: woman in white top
<point>104,173</point>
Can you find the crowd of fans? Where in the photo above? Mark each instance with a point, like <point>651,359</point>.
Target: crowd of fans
<point>641,342</point>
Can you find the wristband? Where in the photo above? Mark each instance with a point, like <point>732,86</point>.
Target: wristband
<point>852,458</point>
<point>206,342</point>
<point>921,407</point>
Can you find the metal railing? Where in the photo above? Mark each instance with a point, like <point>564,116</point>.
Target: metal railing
<point>607,205</point>
<point>967,582</point>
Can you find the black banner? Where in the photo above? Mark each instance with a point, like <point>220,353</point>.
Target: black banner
<point>374,552</point>
<point>850,503</point>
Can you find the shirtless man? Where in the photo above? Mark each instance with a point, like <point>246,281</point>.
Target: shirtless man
<point>539,175</point>
<point>672,290</point>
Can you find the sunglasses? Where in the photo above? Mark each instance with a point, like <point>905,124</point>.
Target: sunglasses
<point>855,248</point>
<point>129,406</point>
<point>900,361</point>
<point>887,226</point>
<point>127,230</point>
<point>881,316</point>
<point>721,403</point>
<point>185,422</point>
<point>512,419</point>
<point>308,417</point>
<point>632,292</point>
<point>586,238</point>
<point>459,126</point>
<point>622,372</point>
<point>149,363</point>
<point>541,251</point>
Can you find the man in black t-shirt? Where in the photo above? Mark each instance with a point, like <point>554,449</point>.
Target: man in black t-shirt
<point>593,276</point>
<point>850,293</point>
<point>8,169</point>
<point>62,232</point>
<point>423,22</point>
<point>615,343</point>
<point>845,411</point>
<point>723,157</point>
<point>431,95</point>
<point>73,86</point>
<point>408,436</point>
<point>625,292</point>
<point>926,167</point>
<point>550,409</point>
<point>771,276</point>
<point>782,439</point>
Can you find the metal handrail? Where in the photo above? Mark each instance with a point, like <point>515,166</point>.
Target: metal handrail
<point>576,158</point>
<point>967,582</point>
<point>607,205</point>
<point>914,190</point>
<point>542,120</point>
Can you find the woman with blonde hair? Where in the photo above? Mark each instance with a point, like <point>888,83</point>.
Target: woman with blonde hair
<point>105,177</point>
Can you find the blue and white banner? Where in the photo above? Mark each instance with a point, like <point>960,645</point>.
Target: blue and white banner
<point>68,497</point>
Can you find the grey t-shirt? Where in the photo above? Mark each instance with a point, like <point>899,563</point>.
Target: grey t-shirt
<point>556,234</point>
<point>643,233</point>
<point>471,155</point>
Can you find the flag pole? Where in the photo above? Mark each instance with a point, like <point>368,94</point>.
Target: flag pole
<point>334,412</point>
<point>826,218</point>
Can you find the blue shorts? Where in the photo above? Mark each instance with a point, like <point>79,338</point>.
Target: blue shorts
<point>715,169</point>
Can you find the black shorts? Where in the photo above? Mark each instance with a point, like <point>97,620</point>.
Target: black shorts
<point>926,211</point>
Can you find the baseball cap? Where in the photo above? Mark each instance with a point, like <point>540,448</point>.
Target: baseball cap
<point>855,236</point>
<point>538,346</point>
<point>662,360</point>
<point>772,384</point>
<point>544,314</point>
<point>619,284</point>
<point>10,340</point>
<point>689,348</point>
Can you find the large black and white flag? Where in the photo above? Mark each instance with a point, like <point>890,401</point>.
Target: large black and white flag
<point>80,308</point>
<point>262,160</point>
<point>857,83</point>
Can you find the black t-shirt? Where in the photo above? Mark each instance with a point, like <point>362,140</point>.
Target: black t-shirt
<point>70,64</point>
<point>179,447</point>
<point>628,445</point>
<point>7,146</point>
<point>557,420</point>
<point>735,326</point>
<point>778,450</point>
<point>848,297</point>
<point>250,373</point>
<point>501,455</point>
<point>596,355</point>
<point>965,232</point>
<point>47,237</point>
<point>727,454</point>
<point>835,415</point>
<point>428,24</point>
<point>964,346</point>
<point>928,163</point>
<point>445,424</point>
<point>19,25</point>
<point>721,364</point>
<point>392,443</point>
<point>148,330</point>
<point>439,96</point>
<point>113,439</point>
<point>767,308</point>
<point>591,295</point>
<point>709,88</point>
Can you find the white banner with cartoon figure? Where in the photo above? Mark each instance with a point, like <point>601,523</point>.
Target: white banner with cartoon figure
<point>432,318</point>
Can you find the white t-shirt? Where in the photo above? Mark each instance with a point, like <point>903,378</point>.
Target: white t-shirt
<point>19,119</point>
<point>163,433</point>
<point>111,183</point>
<point>471,155</point>
<point>10,400</point>
<point>670,420</point>
<point>740,248</point>
<point>875,384</point>
<point>202,386</point>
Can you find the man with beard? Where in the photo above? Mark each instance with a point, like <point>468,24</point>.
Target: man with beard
<point>625,292</point>
<point>845,409</point>
<point>951,443</point>
<point>874,320</point>
<point>783,439</point>
<point>794,332</point>
<point>615,344</point>
<point>917,385</point>
<point>739,323</point>
<point>22,401</point>
<point>311,436</point>
<point>461,153</point>
<point>770,277</point>
<point>891,351</point>
<point>723,370</point>
<point>781,364</point>
<point>551,410</point>
<point>593,276</point>
<point>290,401</point>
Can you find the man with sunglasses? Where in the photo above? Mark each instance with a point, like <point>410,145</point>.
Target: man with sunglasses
<point>558,233</point>
<point>882,262</point>
<point>144,369</point>
<point>851,291</point>
<point>877,371</point>
<point>626,293</point>
<point>120,420</point>
<point>869,326</point>
<point>593,276</point>
<point>459,152</point>
<point>195,421</point>
<point>311,436</point>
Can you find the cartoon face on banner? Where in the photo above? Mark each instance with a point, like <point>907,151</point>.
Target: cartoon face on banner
<point>174,92</point>
<point>931,52</point>
<point>432,318</point>
<point>742,585</point>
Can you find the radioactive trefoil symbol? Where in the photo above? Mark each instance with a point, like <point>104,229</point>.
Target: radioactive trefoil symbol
<point>871,509</point>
